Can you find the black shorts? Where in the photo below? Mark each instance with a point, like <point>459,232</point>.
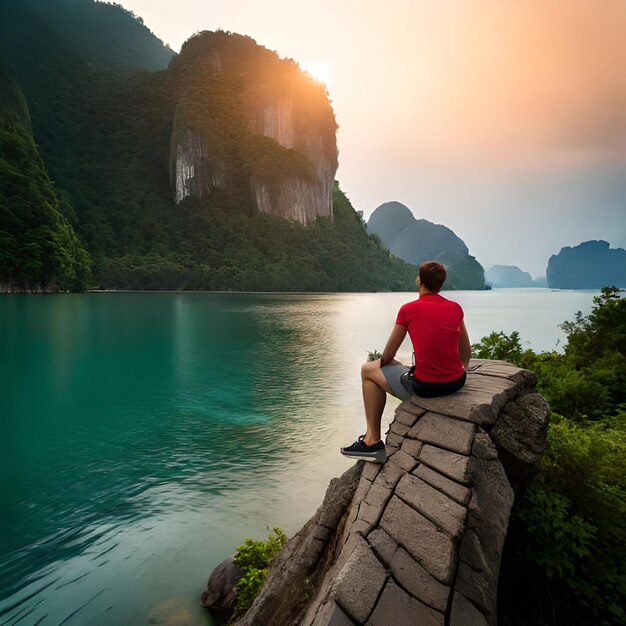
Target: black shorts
<point>427,389</point>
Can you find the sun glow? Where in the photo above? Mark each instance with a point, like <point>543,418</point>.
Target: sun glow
<point>319,71</point>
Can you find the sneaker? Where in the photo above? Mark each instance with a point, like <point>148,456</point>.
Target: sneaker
<point>360,450</point>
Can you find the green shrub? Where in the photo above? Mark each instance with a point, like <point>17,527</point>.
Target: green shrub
<point>254,558</point>
<point>572,519</point>
<point>559,538</point>
<point>499,346</point>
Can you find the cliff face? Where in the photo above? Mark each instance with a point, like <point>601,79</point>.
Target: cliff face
<point>589,265</point>
<point>416,241</point>
<point>251,124</point>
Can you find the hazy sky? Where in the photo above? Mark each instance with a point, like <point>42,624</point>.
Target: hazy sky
<point>505,120</point>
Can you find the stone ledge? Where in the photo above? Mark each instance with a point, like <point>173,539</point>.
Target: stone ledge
<point>420,538</point>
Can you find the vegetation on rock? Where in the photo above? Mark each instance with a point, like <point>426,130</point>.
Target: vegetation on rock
<point>254,558</point>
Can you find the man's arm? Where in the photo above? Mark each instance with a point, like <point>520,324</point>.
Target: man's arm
<point>465,349</point>
<point>395,340</point>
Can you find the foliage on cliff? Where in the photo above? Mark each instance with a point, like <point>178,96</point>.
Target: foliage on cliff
<point>105,35</point>
<point>39,249</point>
<point>568,531</point>
<point>254,558</point>
<point>201,246</point>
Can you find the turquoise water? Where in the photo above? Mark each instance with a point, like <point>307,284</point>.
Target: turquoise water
<point>143,436</point>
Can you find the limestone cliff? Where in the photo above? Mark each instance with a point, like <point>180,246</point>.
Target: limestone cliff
<point>253,126</point>
<point>417,540</point>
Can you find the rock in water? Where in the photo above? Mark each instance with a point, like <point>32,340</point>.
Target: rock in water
<point>508,276</point>
<point>589,265</point>
<point>219,594</point>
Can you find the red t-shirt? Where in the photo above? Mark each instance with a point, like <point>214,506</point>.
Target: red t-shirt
<point>434,324</point>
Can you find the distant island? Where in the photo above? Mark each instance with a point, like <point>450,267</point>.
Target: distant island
<point>416,241</point>
<point>508,276</point>
<point>589,265</point>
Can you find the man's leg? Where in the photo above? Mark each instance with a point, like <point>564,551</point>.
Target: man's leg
<point>375,390</point>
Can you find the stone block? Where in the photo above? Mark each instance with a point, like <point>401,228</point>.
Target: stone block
<point>362,488</point>
<point>483,447</point>
<point>488,518</point>
<point>478,401</point>
<point>389,476</point>
<point>394,440</point>
<point>397,608</point>
<point>412,447</point>
<point>403,460</point>
<point>522,427</point>
<point>406,418</point>
<point>361,527</point>
<point>464,613</point>
<point>378,494</point>
<point>410,407</point>
<point>384,546</point>
<point>452,489</point>
<point>346,551</point>
<point>502,369</point>
<point>471,552</point>
<point>444,432</point>
<point>447,514</point>
<point>433,549</point>
<point>450,464</point>
<point>370,470</point>
<point>370,513</point>
<point>418,582</point>
<point>398,428</point>
<point>330,614</point>
<point>358,583</point>
<point>475,588</point>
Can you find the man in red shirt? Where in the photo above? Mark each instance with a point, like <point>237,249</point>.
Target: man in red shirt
<point>442,352</point>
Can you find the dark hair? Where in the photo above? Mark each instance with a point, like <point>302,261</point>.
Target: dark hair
<point>432,275</point>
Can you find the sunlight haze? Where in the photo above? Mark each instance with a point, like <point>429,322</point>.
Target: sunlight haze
<point>504,121</point>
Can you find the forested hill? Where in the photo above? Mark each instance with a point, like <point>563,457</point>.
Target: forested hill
<point>103,103</point>
<point>38,247</point>
<point>101,36</point>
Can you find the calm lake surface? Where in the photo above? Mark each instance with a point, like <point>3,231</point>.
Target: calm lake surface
<point>144,436</point>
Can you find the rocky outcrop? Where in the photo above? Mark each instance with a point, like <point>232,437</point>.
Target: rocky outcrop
<point>417,540</point>
<point>589,265</point>
<point>389,220</point>
<point>416,241</point>
<point>252,125</point>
